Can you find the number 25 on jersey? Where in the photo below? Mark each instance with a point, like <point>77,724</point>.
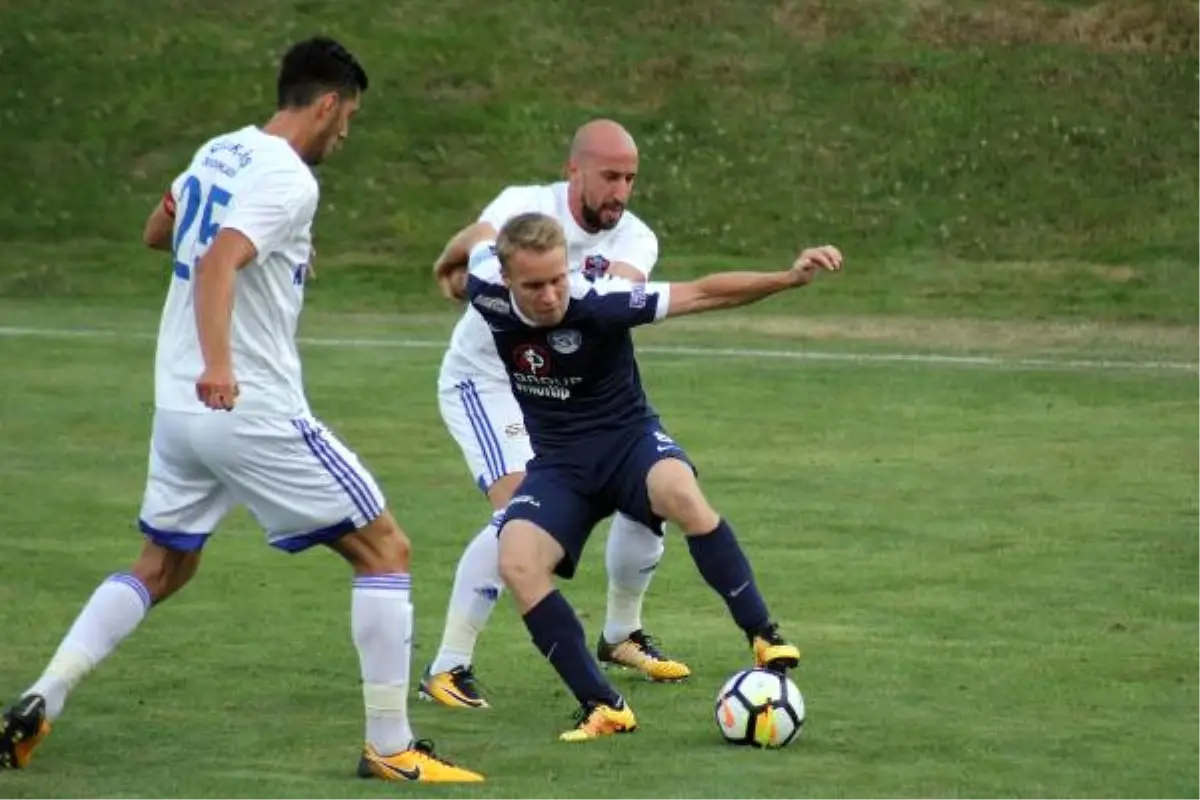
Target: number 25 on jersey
<point>189,244</point>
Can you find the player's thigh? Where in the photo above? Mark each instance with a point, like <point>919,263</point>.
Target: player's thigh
<point>657,481</point>
<point>184,500</point>
<point>303,485</point>
<point>550,502</point>
<point>485,420</point>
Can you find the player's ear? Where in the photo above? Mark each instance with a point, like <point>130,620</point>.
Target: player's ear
<point>327,103</point>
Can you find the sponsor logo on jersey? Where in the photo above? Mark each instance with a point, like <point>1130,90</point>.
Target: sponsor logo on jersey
<point>492,304</point>
<point>531,359</point>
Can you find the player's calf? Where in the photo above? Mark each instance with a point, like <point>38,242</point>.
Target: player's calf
<point>162,570</point>
<point>378,548</point>
<point>528,556</point>
<point>675,494</point>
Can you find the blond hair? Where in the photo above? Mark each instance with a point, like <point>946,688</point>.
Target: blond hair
<point>532,232</point>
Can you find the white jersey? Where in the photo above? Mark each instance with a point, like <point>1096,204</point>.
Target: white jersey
<point>472,352</point>
<point>255,183</point>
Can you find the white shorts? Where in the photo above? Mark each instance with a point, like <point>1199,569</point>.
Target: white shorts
<point>298,480</point>
<point>485,420</point>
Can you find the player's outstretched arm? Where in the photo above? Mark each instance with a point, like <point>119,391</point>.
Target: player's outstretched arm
<point>732,289</point>
<point>450,269</point>
<point>215,275</point>
<point>620,269</point>
<point>160,224</point>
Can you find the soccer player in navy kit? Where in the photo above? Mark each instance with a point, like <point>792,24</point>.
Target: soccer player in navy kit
<point>598,444</point>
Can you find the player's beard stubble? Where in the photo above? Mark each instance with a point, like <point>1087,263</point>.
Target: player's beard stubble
<point>603,218</point>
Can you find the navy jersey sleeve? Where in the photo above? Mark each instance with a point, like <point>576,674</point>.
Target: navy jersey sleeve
<point>618,303</point>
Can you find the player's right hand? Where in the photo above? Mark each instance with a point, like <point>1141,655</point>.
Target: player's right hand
<point>813,260</point>
<point>217,389</point>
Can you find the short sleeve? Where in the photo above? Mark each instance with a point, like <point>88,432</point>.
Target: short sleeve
<point>272,209</point>
<point>638,248</point>
<point>512,201</point>
<point>483,273</point>
<point>616,302</point>
<point>480,254</point>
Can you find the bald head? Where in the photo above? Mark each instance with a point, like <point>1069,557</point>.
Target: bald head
<point>600,169</point>
<point>602,138</point>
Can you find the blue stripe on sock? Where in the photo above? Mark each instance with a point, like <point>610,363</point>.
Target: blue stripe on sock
<point>133,583</point>
<point>395,582</point>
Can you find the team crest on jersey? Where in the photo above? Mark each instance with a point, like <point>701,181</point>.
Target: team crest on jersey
<point>595,267</point>
<point>565,341</point>
<point>532,359</point>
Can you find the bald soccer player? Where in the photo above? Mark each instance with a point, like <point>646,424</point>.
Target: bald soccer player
<point>478,406</point>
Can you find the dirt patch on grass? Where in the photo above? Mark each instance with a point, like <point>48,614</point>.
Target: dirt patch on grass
<point>819,20</point>
<point>1153,26</point>
<point>958,335</point>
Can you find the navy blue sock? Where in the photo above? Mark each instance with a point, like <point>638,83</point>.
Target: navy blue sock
<point>721,561</point>
<point>559,636</point>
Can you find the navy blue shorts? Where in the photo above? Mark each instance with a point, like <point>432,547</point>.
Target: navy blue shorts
<point>568,494</point>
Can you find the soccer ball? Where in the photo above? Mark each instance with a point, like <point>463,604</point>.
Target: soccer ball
<point>760,708</point>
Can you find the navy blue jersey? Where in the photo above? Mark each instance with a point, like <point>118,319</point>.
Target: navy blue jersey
<point>578,379</point>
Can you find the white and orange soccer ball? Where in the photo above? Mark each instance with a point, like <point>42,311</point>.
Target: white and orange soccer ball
<point>760,708</point>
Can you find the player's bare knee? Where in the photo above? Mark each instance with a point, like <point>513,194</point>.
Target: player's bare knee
<point>675,495</point>
<point>685,505</point>
<point>517,566</point>
<point>527,554</point>
<point>163,571</point>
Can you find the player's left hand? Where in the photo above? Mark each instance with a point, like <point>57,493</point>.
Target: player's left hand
<point>217,389</point>
<point>813,260</point>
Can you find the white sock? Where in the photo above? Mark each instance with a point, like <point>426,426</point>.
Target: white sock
<point>381,621</point>
<point>632,553</point>
<point>112,613</point>
<point>477,587</point>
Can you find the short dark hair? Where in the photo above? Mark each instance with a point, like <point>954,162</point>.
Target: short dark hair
<point>316,66</point>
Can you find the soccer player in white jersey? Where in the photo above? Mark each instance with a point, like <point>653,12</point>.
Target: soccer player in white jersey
<point>232,425</point>
<point>478,407</point>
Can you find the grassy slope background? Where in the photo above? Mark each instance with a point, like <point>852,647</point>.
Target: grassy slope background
<point>1016,158</point>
